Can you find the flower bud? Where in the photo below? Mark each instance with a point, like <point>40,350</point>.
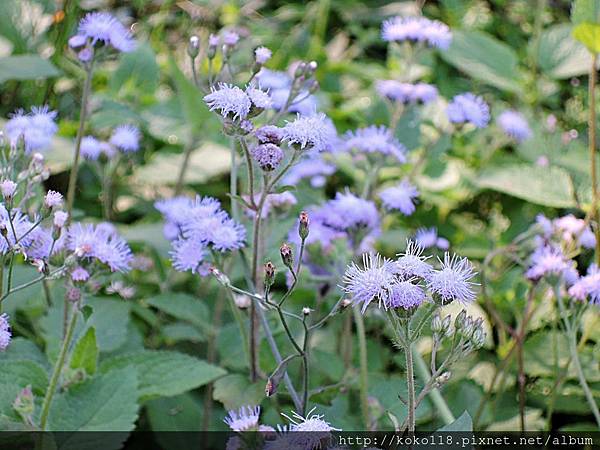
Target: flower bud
<point>436,324</point>
<point>270,388</point>
<point>446,324</point>
<point>193,47</point>
<point>269,274</point>
<point>286,255</point>
<point>242,301</point>
<point>460,319</point>
<point>24,404</point>
<point>345,303</point>
<point>478,338</point>
<point>306,311</point>
<point>73,294</point>
<point>303,225</point>
<point>313,86</point>
<point>311,67</point>
<point>3,229</point>
<point>443,378</point>
<point>300,70</point>
<point>213,43</point>
<point>221,277</point>
<point>8,188</point>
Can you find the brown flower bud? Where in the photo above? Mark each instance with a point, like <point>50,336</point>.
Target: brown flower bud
<point>303,225</point>
<point>286,255</point>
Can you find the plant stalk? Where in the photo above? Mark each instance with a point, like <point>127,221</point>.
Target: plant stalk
<point>362,351</point>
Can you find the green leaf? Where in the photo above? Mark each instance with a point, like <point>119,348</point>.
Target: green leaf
<point>585,11</point>
<point>20,348</point>
<point>110,319</point>
<point>22,373</point>
<point>103,403</point>
<point>85,353</point>
<point>139,68</point>
<point>548,186</point>
<point>589,35</point>
<point>26,67</point>
<point>559,55</point>
<point>183,306</point>
<point>235,391</point>
<point>175,332</point>
<point>163,373</point>
<point>484,58</point>
<point>463,423</point>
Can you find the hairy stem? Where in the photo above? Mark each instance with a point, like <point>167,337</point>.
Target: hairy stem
<point>362,351</point>
<point>410,386</point>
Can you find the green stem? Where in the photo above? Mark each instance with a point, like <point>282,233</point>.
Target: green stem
<point>233,182</point>
<point>189,148</point>
<point>87,87</point>
<point>58,366</point>
<point>362,351</point>
<point>410,386</point>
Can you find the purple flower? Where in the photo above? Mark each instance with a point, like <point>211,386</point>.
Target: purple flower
<point>60,218</point>
<point>53,199</point>
<point>571,228</point>
<point>304,432</point>
<point>229,100</point>
<point>103,27</point>
<point>453,280</point>
<point>269,134</point>
<point>91,148</point>
<point>314,168</point>
<point>36,129</point>
<point>243,419</point>
<point>40,245</point>
<point>546,261</point>
<point>406,295</point>
<point>514,125</point>
<point>5,332</point>
<point>80,274</point>
<point>412,263</point>
<point>371,282</point>
<point>126,138</point>
<point>587,286</point>
<point>8,188</point>
<point>406,92</point>
<point>187,255</point>
<point>417,29</point>
<point>347,212</point>
<point>260,99</point>
<point>469,107</point>
<point>101,243</point>
<point>230,38</point>
<point>315,132</point>
<point>262,55</point>
<point>400,197</point>
<point>375,139</point>
<point>230,235</point>
<point>21,224</point>
<point>268,156</point>
<point>428,237</point>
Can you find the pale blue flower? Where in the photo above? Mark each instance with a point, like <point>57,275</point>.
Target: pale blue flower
<point>412,263</point>
<point>126,138</point>
<point>268,156</point>
<point>371,282</point>
<point>417,29</point>
<point>315,132</point>
<point>514,125</point>
<point>453,280</point>
<point>406,295</point>
<point>375,139</point>
<point>469,108</point>
<point>187,255</point>
<point>243,419</point>
<point>401,197</point>
<point>229,100</point>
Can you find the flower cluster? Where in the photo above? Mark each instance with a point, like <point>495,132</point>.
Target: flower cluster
<point>235,103</point>
<point>402,283</point>
<point>400,197</point>
<point>406,93</point>
<point>469,108</point>
<point>417,29</point>
<point>36,129</point>
<point>314,132</point>
<point>102,28</point>
<point>375,139</point>
<point>514,125</point>
<point>196,226</point>
<point>124,138</point>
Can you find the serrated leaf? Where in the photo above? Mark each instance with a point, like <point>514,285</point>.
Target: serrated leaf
<point>548,186</point>
<point>85,353</point>
<point>22,373</point>
<point>183,306</point>
<point>463,423</point>
<point>26,67</point>
<point>20,348</point>
<point>589,35</point>
<point>163,373</point>
<point>484,58</point>
<point>104,403</point>
<point>235,391</point>
<point>559,55</point>
<point>585,11</point>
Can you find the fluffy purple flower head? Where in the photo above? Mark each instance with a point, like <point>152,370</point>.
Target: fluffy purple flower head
<point>21,225</point>
<point>348,212</point>
<point>547,261</point>
<point>269,134</point>
<point>105,28</point>
<point>80,274</point>
<point>375,139</point>
<point>262,55</point>
<point>229,100</point>
<point>230,38</point>
<point>259,98</point>
<point>417,29</point>
<point>315,132</point>
<point>126,138</point>
<point>406,295</point>
<point>60,219</point>
<point>313,168</point>
<point>268,156</point>
<point>5,331</point>
<point>243,419</point>
<point>406,92</point>
<point>187,255</point>
<point>571,228</point>
<point>304,432</point>
<point>412,264</point>
<point>40,245</point>
<point>514,125</point>
<point>91,148</point>
<point>8,189</point>
<point>469,108</point>
<point>101,243</point>
<point>428,237</point>
<point>36,129</point>
<point>53,199</point>
<point>453,280</point>
<point>230,235</point>
<point>401,197</point>
<point>371,282</point>
<point>587,286</point>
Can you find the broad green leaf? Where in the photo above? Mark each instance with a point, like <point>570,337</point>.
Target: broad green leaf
<point>175,332</point>
<point>463,423</point>
<point>138,67</point>
<point>24,372</point>
<point>585,11</point>
<point>589,35</point>
<point>20,348</point>
<point>548,186</point>
<point>559,55</point>
<point>235,391</point>
<point>183,306</point>
<point>26,67</point>
<point>110,319</point>
<point>104,403</point>
<point>484,58</point>
<point>85,353</point>
<point>163,373</point>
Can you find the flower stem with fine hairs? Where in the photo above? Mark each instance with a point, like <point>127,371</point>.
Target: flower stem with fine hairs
<point>58,366</point>
<point>87,87</point>
<point>362,351</point>
<point>410,384</point>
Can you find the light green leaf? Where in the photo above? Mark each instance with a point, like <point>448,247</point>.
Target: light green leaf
<point>484,58</point>
<point>138,67</point>
<point>548,186</point>
<point>559,55</point>
<point>26,67</point>
<point>585,11</point>
<point>589,35</point>
<point>85,353</point>
<point>163,373</point>
<point>235,391</point>
<point>22,373</point>
<point>20,348</point>
<point>175,332</point>
<point>183,306</point>
<point>463,423</point>
<point>103,403</point>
